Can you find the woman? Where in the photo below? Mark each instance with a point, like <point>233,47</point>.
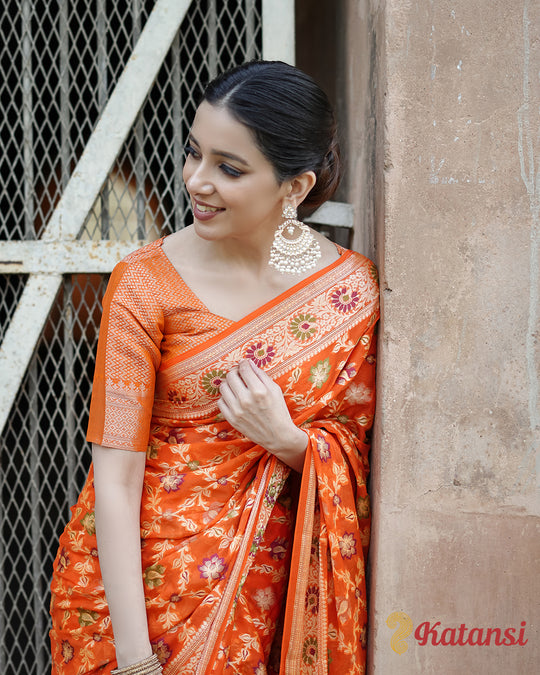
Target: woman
<point>235,363</point>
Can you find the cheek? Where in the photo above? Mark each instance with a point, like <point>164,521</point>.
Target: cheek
<point>261,196</point>
<point>186,172</point>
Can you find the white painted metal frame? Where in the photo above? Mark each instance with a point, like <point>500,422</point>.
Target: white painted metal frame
<point>278,26</point>
<point>47,257</point>
<point>59,252</point>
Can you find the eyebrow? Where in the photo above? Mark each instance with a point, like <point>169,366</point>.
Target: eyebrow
<point>220,153</point>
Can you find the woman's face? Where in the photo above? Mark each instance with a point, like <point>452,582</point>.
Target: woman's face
<point>233,189</point>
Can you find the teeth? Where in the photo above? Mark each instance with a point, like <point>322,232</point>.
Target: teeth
<point>204,209</point>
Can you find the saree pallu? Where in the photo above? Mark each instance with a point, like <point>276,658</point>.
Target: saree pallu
<point>242,573</point>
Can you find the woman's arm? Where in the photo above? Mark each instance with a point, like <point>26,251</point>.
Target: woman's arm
<point>118,482</point>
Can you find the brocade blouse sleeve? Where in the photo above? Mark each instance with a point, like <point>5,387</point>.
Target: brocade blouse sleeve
<point>128,357</point>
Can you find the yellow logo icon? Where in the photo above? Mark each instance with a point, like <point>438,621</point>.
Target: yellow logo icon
<point>403,624</point>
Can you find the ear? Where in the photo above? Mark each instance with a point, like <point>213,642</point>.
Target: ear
<point>299,186</point>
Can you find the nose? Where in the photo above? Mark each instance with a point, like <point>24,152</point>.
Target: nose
<point>197,178</point>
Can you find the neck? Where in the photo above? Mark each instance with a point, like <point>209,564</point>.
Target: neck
<point>251,255</point>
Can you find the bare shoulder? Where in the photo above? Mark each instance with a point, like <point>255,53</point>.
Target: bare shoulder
<point>329,251</point>
<point>181,247</point>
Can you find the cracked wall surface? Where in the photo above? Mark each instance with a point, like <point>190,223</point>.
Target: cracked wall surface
<point>457,438</point>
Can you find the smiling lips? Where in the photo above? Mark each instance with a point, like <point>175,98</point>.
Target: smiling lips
<point>205,211</point>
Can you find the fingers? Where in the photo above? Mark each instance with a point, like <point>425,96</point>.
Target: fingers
<point>263,377</point>
<point>232,393</point>
<point>247,389</point>
<point>246,380</point>
<point>252,375</point>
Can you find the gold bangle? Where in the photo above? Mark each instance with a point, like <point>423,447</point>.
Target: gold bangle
<point>148,666</point>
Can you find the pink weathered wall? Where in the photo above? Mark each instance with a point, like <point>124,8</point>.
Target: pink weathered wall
<point>455,461</point>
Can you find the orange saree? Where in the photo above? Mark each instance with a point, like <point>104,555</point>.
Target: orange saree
<point>242,573</point>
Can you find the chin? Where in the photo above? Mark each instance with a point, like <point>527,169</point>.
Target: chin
<point>208,231</point>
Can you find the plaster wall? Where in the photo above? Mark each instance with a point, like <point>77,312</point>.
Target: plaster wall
<point>457,437</point>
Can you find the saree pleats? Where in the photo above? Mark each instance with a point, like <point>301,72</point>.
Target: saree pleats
<point>240,575</point>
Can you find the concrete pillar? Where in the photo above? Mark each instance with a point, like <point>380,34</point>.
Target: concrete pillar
<point>455,460</point>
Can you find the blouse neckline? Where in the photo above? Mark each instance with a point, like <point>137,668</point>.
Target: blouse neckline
<point>343,255</point>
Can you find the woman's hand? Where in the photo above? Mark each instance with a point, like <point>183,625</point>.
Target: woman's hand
<point>254,405</point>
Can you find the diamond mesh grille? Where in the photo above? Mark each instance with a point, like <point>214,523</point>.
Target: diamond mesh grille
<point>11,288</point>
<point>59,63</point>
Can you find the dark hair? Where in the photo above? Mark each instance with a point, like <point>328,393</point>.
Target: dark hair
<point>291,119</point>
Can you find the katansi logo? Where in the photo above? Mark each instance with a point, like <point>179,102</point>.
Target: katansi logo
<point>434,634</point>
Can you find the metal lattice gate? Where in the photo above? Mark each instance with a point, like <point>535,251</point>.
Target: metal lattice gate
<point>97,96</point>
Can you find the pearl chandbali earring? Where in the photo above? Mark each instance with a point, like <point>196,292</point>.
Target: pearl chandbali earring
<point>295,255</point>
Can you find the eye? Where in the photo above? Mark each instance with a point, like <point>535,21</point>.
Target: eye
<point>190,150</point>
<point>230,170</point>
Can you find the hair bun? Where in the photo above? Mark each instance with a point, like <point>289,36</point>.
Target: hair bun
<point>328,178</point>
